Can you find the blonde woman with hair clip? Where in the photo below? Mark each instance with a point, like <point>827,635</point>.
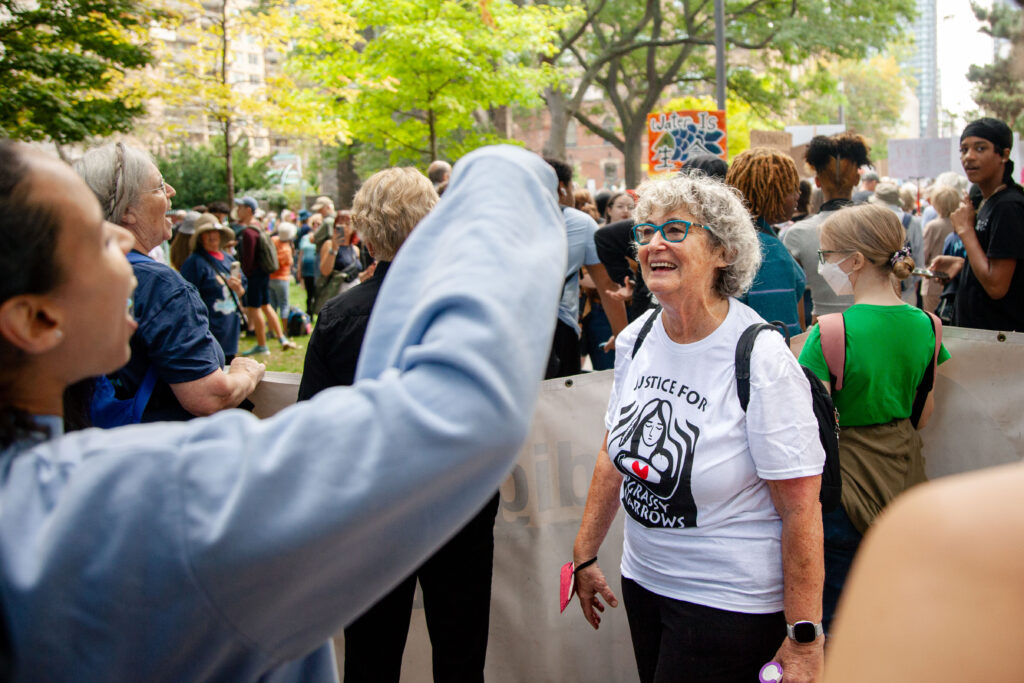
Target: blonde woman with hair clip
<point>878,357</point>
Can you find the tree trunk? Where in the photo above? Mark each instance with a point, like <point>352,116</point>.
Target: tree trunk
<point>433,135</point>
<point>501,119</point>
<point>345,173</point>
<point>634,151</point>
<point>558,109</point>
<point>229,168</point>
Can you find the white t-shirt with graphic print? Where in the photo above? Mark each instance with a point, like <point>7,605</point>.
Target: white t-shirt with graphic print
<point>700,523</point>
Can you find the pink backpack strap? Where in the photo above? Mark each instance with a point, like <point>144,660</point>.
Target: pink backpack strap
<point>937,325</point>
<point>832,329</point>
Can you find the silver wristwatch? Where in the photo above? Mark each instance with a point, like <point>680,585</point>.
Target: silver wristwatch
<point>804,631</point>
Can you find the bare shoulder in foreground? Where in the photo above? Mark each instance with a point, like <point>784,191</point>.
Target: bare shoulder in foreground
<point>937,591</point>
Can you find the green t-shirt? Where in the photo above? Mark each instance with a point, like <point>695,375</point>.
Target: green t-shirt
<point>888,349</point>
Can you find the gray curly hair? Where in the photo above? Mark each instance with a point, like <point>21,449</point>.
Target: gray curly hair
<point>720,208</point>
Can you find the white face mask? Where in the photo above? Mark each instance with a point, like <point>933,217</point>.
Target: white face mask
<point>836,278</point>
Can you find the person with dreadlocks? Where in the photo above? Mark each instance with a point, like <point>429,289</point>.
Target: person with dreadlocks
<point>836,161</point>
<point>991,290</point>
<point>770,186</point>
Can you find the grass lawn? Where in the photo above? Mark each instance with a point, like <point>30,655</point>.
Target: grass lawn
<point>279,360</point>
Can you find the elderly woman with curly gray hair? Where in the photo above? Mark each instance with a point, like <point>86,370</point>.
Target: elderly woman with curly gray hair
<point>722,565</point>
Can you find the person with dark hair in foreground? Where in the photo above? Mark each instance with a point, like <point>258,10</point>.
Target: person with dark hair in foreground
<point>990,295</point>
<point>232,548</point>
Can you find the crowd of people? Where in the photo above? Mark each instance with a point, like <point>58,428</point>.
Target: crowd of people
<point>228,547</point>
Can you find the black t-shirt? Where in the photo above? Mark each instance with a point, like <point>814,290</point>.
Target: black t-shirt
<point>615,247</point>
<point>338,337</point>
<point>1000,230</point>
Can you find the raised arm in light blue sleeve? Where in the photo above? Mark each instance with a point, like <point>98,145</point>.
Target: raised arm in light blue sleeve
<point>279,532</point>
<point>371,480</point>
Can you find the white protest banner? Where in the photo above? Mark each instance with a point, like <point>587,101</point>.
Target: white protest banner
<point>920,158</point>
<point>977,422</point>
<point>928,157</point>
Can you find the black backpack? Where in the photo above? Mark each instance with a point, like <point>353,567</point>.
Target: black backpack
<point>821,402</point>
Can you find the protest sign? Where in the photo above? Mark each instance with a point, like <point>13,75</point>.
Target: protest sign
<point>675,137</point>
<point>920,158</point>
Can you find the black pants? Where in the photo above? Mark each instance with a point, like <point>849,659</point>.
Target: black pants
<point>310,284</point>
<point>677,641</point>
<point>456,583</point>
<point>564,359</point>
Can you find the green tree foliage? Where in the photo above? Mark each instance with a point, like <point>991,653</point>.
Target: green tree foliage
<point>426,76</point>
<point>200,75</point>
<point>197,173</point>
<point>871,94</point>
<point>638,52</point>
<point>998,89</point>
<point>62,64</point>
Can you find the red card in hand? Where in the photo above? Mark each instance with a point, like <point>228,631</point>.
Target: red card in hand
<point>567,585</point>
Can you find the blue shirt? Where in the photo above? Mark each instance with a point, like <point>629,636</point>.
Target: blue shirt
<point>230,548</point>
<point>307,249</point>
<point>209,276</point>
<point>173,336</point>
<point>579,230</point>
<point>779,284</point>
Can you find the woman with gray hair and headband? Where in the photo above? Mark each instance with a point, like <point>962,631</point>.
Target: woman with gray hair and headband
<point>172,350</point>
<point>991,291</point>
<point>722,543</point>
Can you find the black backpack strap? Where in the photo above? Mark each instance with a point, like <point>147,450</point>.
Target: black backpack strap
<point>744,349</point>
<point>645,330</point>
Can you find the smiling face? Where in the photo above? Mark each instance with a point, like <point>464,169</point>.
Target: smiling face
<point>147,216</point>
<point>687,267</point>
<point>97,281</point>
<point>982,163</point>
<point>210,240</point>
<point>620,209</point>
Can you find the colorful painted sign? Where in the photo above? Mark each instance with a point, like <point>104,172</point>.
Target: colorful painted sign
<point>676,136</point>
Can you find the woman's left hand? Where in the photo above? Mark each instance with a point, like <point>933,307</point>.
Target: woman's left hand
<point>235,283</point>
<point>801,662</point>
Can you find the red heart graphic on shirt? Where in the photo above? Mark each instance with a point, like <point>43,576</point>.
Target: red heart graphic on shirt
<point>640,471</point>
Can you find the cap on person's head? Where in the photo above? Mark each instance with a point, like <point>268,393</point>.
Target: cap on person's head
<point>886,193</point>
<point>870,176</point>
<point>205,223</point>
<point>248,201</point>
<point>188,224</point>
<point>993,130</point>
<point>304,215</point>
<point>286,231</point>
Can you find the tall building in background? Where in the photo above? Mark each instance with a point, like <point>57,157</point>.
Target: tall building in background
<point>924,66</point>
